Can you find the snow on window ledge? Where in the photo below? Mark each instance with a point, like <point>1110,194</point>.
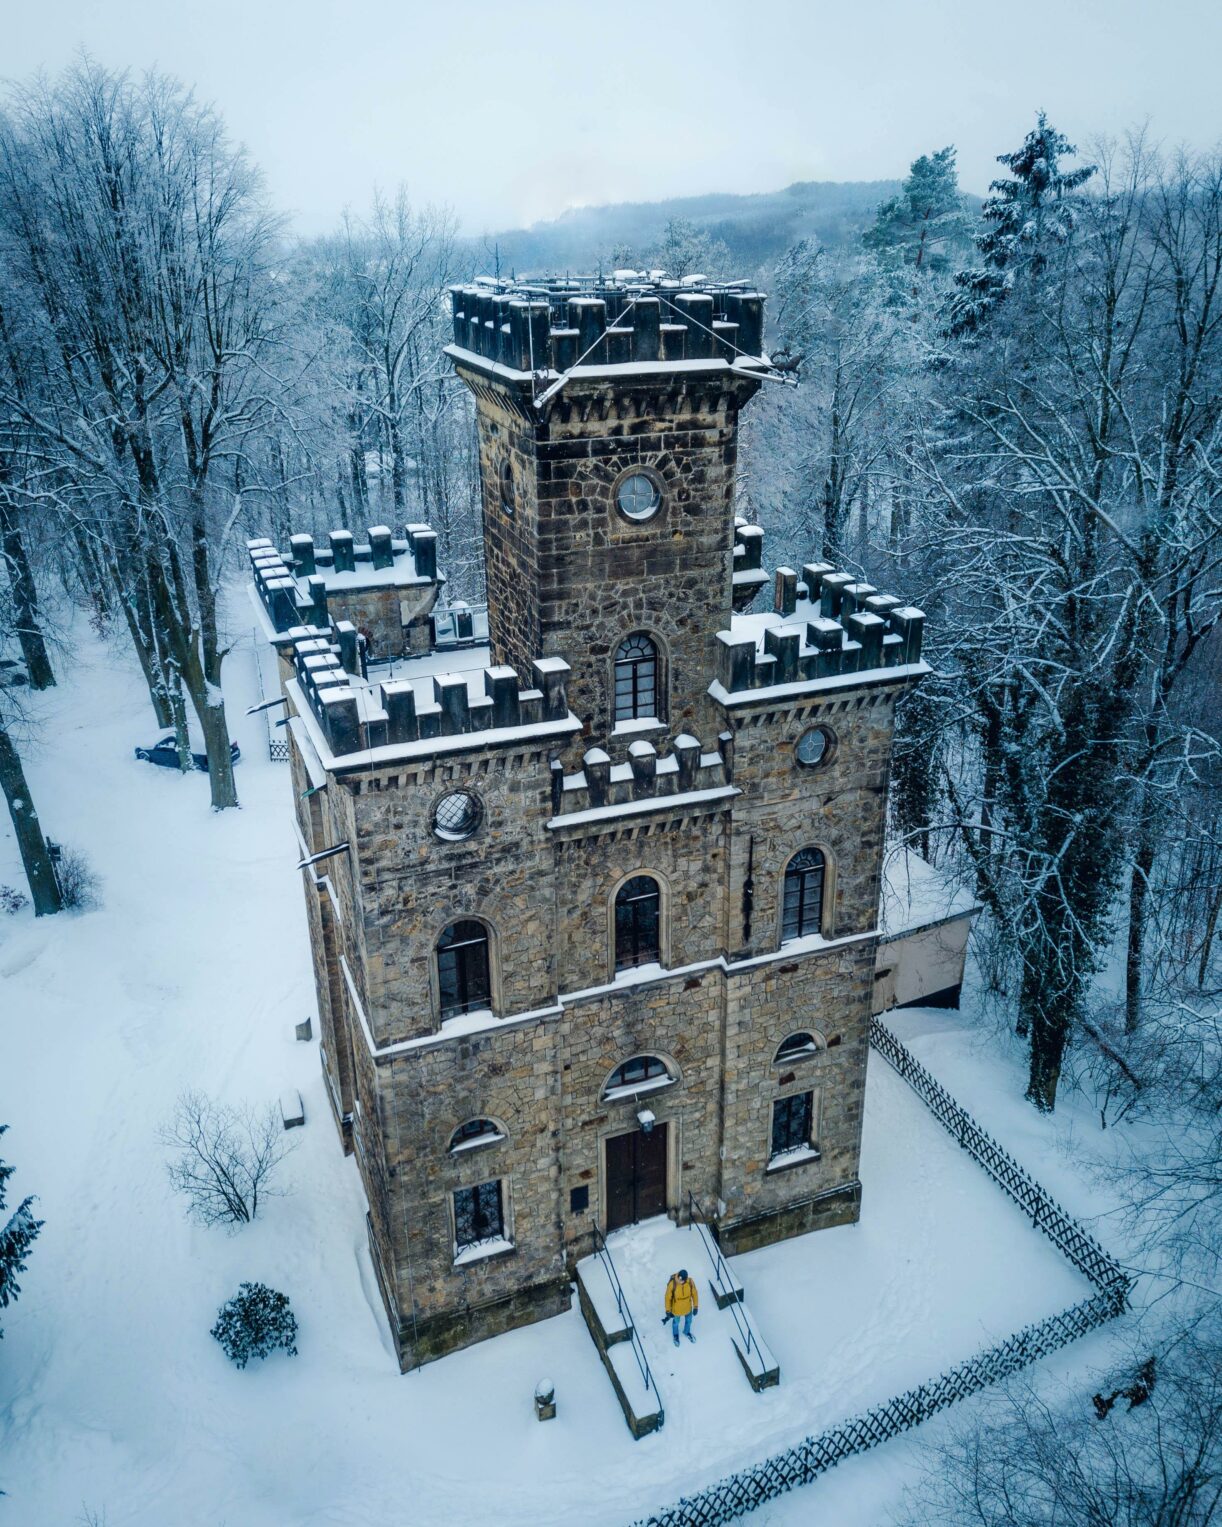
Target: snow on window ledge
<point>637,1089</point>
<point>492,1137</point>
<point>797,1155</point>
<point>497,1246</point>
<point>637,725</point>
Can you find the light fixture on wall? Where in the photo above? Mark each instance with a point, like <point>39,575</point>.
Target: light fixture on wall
<point>646,1119</point>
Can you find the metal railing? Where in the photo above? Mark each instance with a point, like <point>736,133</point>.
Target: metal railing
<point>277,743</point>
<point>698,1220</point>
<point>1036,1202</point>
<point>743,1492</point>
<point>602,1251</point>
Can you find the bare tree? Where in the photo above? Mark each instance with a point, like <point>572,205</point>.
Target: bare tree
<point>223,1159</point>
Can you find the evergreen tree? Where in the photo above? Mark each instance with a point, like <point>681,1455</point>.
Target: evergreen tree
<point>1025,216</point>
<point>16,1238</point>
<point>922,226</point>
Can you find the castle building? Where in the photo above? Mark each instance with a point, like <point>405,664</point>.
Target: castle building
<point>593,887</point>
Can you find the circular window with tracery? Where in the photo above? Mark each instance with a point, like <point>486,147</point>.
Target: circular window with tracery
<point>813,747</point>
<point>457,816</point>
<point>638,496</point>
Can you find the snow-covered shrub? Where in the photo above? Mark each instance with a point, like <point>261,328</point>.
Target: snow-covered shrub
<point>223,1158</point>
<point>78,884</point>
<point>16,1238</point>
<point>255,1322</point>
<point>11,900</point>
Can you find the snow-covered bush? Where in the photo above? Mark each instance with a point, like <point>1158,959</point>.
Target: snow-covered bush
<point>79,886</point>
<point>255,1322</point>
<point>16,1238</point>
<point>11,900</point>
<point>223,1158</point>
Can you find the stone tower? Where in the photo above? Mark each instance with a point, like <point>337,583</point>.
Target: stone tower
<point>594,891</point>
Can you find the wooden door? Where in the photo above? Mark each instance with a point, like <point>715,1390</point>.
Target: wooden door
<point>636,1176</point>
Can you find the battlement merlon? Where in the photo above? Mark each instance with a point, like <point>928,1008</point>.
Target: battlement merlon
<point>387,587</point>
<point>633,321</point>
<point>827,631</point>
<point>356,725</point>
<point>684,780</point>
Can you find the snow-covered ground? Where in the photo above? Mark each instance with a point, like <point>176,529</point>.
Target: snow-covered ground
<point>113,1397</point>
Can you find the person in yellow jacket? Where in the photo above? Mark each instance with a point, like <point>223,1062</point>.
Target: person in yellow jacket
<point>682,1303</point>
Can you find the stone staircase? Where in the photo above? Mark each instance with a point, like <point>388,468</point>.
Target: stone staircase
<point>609,1318</point>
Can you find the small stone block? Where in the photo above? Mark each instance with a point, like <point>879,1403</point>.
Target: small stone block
<point>305,1030</point>
<point>292,1109</point>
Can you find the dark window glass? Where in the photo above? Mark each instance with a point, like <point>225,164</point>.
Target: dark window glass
<point>579,1200</point>
<point>636,679</point>
<point>462,968</point>
<point>637,920</point>
<point>457,815</point>
<point>474,1129</point>
<point>803,911</point>
<point>478,1215</point>
<point>796,1046</point>
<point>641,1068</point>
<point>791,1121</point>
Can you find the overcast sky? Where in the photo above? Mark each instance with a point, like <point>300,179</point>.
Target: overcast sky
<point>513,112</point>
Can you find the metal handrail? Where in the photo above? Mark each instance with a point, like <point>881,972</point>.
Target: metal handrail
<point>602,1250</point>
<point>698,1219</point>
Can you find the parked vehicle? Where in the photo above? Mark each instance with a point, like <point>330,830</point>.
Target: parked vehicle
<point>165,753</point>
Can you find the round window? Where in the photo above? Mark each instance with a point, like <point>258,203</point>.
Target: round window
<point>813,747</point>
<point>457,816</point>
<point>507,487</point>
<point>637,496</point>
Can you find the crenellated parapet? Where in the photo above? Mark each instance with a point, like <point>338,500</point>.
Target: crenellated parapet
<point>486,705</point>
<point>633,319</point>
<point>749,574</point>
<point>386,586</point>
<point>645,780</point>
<point>825,625</point>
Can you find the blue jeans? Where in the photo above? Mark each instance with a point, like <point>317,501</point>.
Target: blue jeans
<point>687,1324</point>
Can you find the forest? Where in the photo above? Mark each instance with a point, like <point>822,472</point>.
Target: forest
<point>1009,409</point>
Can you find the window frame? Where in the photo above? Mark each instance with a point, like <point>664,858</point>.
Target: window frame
<point>463,1144</point>
<point>634,664</point>
<point>495,1239</point>
<point>622,481</point>
<point>618,1091</point>
<point>799,875</point>
<point>652,954</point>
<point>799,1113</point>
<point>816,1046</point>
<point>470,1004</point>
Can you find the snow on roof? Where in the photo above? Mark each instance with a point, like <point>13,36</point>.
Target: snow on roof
<point>915,895</point>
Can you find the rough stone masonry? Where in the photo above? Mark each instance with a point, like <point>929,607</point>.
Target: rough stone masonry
<point>600,932</point>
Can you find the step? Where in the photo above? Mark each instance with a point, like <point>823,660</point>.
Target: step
<point>607,1324</point>
<point>612,1334</point>
<point>762,1369</point>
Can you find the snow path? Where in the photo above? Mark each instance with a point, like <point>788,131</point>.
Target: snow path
<point>192,974</point>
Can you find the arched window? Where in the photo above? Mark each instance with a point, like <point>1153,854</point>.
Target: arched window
<point>473,1133</point>
<point>463,977</point>
<point>798,1047</point>
<point>643,1073</point>
<point>803,912</point>
<point>636,678</point>
<point>638,919</point>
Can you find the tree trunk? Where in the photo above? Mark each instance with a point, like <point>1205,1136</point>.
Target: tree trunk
<point>25,602</point>
<point>1139,897</point>
<point>1049,1025</point>
<point>39,871</point>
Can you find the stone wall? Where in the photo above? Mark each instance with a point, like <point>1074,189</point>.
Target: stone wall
<point>571,572</point>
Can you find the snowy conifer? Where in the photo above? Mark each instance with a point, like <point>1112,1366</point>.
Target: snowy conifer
<point>1024,217</point>
<point>922,226</point>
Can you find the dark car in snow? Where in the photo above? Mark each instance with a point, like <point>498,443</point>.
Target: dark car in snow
<point>165,753</point>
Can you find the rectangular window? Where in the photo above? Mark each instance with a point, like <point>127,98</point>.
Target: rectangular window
<point>478,1215</point>
<point>792,1121</point>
